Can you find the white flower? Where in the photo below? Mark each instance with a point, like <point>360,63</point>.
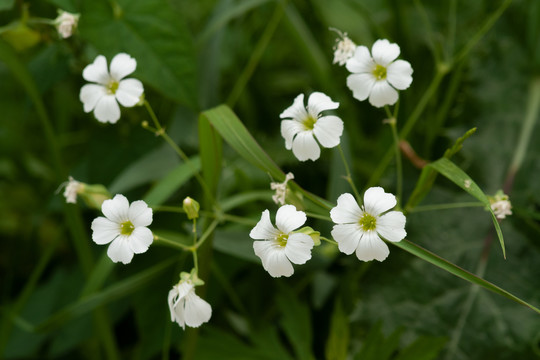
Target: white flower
<point>111,88</point>
<point>377,75</point>
<point>361,229</point>
<point>125,227</point>
<point>281,189</point>
<point>66,23</point>
<point>344,49</point>
<point>307,122</point>
<point>72,188</point>
<point>281,246</point>
<point>500,204</point>
<point>186,307</point>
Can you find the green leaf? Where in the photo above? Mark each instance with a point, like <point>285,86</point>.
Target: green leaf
<point>423,348</point>
<point>461,179</point>
<point>296,323</point>
<point>376,346</point>
<point>172,182</point>
<point>6,4</point>
<point>338,340</point>
<point>154,34</point>
<point>457,271</point>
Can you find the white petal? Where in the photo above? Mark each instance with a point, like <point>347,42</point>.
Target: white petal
<point>298,248</point>
<point>273,258</point>
<point>371,247</point>
<point>361,85</point>
<point>120,251</point>
<point>171,299</point>
<point>361,62</point>
<point>328,130</point>
<point>346,211</point>
<point>347,237</point>
<point>391,226</point>
<point>197,310</point>
<point>399,74</point>
<point>116,209</point>
<point>107,109</point>
<point>376,201</point>
<point>140,214</point>
<point>384,53</point>
<point>289,219</point>
<point>289,128</point>
<point>179,313</point>
<point>90,95</point>
<point>296,111</point>
<point>104,230</point>
<point>97,71</point>
<point>264,229</point>
<point>305,147</point>
<point>319,102</point>
<point>140,239</point>
<point>129,92</point>
<point>382,94</point>
<point>122,65</point>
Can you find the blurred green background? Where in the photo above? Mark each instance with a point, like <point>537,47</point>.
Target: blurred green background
<point>61,298</point>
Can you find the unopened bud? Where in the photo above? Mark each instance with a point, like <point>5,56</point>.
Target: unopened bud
<point>191,207</point>
<point>315,235</point>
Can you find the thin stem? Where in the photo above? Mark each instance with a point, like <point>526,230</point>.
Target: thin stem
<point>194,247</point>
<point>172,243</point>
<point>318,216</point>
<point>445,206</point>
<point>347,170</point>
<point>214,215</point>
<point>399,171</point>
<point>207,233</point>
<point>160,131</point>
<point>328,240</point>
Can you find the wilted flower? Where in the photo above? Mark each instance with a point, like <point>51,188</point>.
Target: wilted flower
<point>281,189</point>
<point>281,246</point>
<point>307,123</point>
<point>186,307</point>
<point>125,227</point>
<point>66,23</point>
<point>379,74</point>
<point>72,188</point>
<point>500,204</point>
<point>344,49</point>
<point>111,88</point>
<point>361,229</point>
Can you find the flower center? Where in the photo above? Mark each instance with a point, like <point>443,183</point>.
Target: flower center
<point>126,228</point>
<point>368,222</point>
<point>112,86</point>
<point>309,122</point>
<point>379,72</point>
<point>282,239</point>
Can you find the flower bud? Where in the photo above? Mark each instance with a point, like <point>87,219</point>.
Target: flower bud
<point>191,207</point>
<point>315,235</point>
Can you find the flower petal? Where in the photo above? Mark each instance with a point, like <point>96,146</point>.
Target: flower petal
<point>107,109</point>
<point>399,74</point>
<point>140,214</point>
<point>289,219</point>
<point>346,211</point>
<point>298,248</point>
<point>90,95</point>
<point>361,85</point>
<point>179,313</point>
<point>140,239</point>
<point>116,209</point>
<point>382,94</point>
<point>129,92</point>
<point>289,128</point>
<point>371,247</point>
<point>120,251</point>
<point>264,229</point>
<point>273,258</point>
<point>305,147</point>
<point>319,102</point>
<point>296,111</point>
<point>197,311</point>
<point>97,71</point>
<point>384,52</point>
<point>104,230</point>
<point>391,226</point>
<point>361,62</point>
<point>328,130</point>
<point>122,65</point>
<point>347,237</point>
<point>171,299</point>
<point>376,201</point>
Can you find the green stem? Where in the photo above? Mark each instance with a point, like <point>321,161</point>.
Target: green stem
<point>256,56</point>
<point>207,233</point>
<point>445,206</point>
<point>172,243</point>
<point>160,131</point>
<point>399,171</point>
<point>318,216</point>
<point>328,240</point>
<point>348,171</point>
<point>214,215</point>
